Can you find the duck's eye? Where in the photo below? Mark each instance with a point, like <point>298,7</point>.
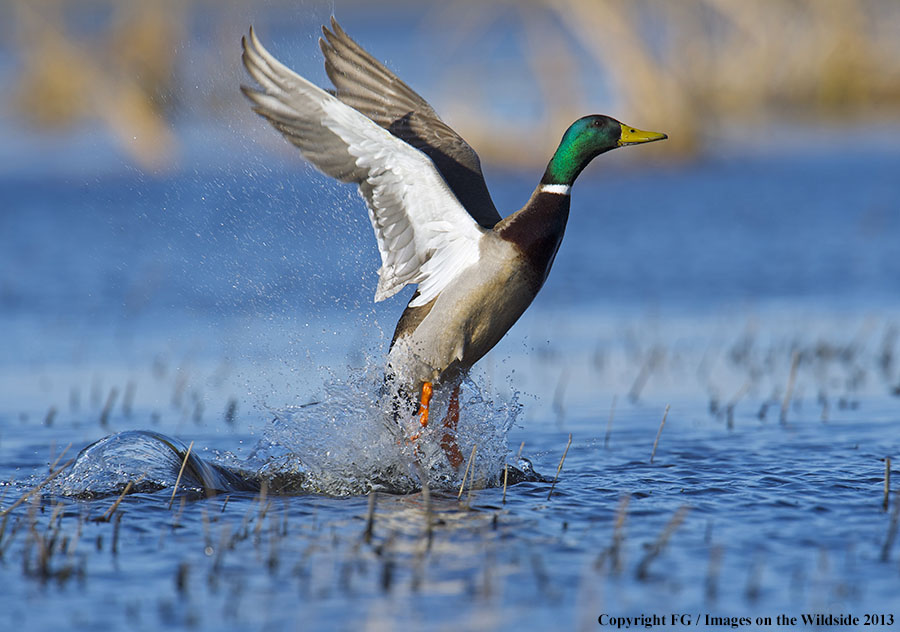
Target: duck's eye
<point>632,131</point>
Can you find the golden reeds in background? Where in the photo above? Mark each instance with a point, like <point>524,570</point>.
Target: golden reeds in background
<point>692,68</point>
<point>122,78</point>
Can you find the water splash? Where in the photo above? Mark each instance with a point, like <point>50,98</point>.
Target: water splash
<point>355,439</point>
<point>147,460</point>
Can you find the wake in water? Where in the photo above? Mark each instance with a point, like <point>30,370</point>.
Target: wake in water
<point>353,440</point>
<point>143,462</point>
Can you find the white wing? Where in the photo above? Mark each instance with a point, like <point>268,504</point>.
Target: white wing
<point>424,234</point>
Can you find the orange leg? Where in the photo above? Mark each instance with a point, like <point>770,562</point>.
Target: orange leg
<point>448,441</point>
<point>427,390</point>
<point>424,403</point>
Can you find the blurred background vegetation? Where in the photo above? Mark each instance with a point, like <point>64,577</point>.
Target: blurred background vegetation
<point>509,75</point>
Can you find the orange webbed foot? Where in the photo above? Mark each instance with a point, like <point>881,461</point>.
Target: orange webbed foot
<point>448,440</point>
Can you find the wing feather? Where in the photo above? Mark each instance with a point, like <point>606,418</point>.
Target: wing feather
<point>364,83</point>
<point>424,234</point>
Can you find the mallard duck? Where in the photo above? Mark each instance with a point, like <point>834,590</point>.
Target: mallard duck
<point>434,221</point>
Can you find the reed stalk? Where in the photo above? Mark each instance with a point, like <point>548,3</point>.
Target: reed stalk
<point>659,433</point>
<point>789,391</point>
<point>466,474</point>
<point>887,484</point>
<point>560,466</point>
<point>187,454</point>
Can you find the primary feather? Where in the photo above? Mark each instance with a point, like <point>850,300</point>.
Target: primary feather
<point>424,234</point>
<point>364,83</point>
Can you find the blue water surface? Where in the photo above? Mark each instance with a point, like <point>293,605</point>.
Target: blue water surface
<point>201,301</point>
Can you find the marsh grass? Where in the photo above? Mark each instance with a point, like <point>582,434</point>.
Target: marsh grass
<point>184,461</point>
<point>656,549</point>
<point>109,512</point>
<point>694,68</point>
<point>789,391</point>
<point>712,574</point>
<point>609,421</point>
<point>662,424</point>
<point>429,542</point>
<point>469,462</point>
<point>559,467</point>
<point>612,555</point>
<point>34,491</point>
<point>891,535</point>
<point>887,484</point>
<point>698,67</point>
<point>370,518</point>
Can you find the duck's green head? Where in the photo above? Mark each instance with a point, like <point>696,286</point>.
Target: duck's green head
<point>587,138</point>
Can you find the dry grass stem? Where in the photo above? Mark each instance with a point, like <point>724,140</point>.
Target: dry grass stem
<point>712,572</point>
<point>466,474</point>
<point>61,455</point>
<point>505,479</point>
<point>789,391</point>
<point>658,433</point>
<point>659,546</point>
<point>114,547</point>
<point>429,514</point>
<point>559,397</point>
<point>370,518</point>
<point>560,466</point>
<point>652,361</point>
<point>107,408</point>
<point>128,399</point>
<point>892,531</point>
<point>37,487</point>
<point>109,512</point>
<point>733,402</point>
<point>180,472</point>
<point>887,484</point>
<point>261,518</point>
<point>615,549</point>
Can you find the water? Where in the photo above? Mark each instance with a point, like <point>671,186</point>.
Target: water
<point>228,306</point>
<point>201,295</point>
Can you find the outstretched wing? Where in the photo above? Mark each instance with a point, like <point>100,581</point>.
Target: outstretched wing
<point>365,84</point>
<point>424,234</point>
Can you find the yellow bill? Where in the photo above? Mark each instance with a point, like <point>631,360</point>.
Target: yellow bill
<point>633,136</point>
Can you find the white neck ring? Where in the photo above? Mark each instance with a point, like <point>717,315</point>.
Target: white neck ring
<point>558,189</point>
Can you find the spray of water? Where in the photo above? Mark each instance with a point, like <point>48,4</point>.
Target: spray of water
<point>356,438</point>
